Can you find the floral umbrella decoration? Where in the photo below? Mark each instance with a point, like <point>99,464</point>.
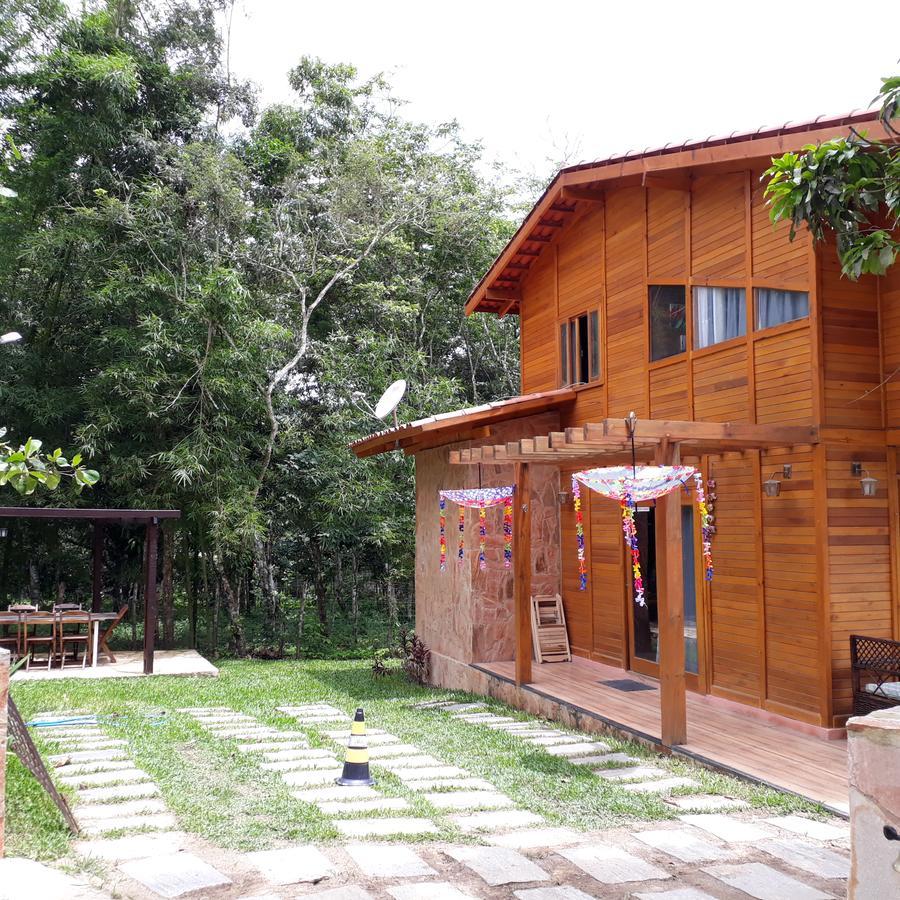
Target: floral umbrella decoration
<point>629,485</point>
<point>480,499</point>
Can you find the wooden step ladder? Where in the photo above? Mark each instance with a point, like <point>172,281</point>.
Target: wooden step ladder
<point>548,630</point>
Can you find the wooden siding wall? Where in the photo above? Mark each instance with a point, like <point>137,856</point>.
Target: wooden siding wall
<point>775,636</point>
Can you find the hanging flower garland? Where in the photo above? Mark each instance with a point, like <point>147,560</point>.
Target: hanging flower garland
<point>507,532</point>
<point>443,507</point>
<point>579,533</point>
<point>705,526</point>
<point>629,529</point>
<point>628,485</point>
<point>480,499</point>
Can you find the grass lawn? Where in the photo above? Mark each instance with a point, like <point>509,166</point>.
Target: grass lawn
<point>223,795</point>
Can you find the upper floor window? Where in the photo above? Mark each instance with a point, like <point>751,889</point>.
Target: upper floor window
<point>775,307</point>
<point>668,334</point>
<point>720,314</point>
<point>579,349</point>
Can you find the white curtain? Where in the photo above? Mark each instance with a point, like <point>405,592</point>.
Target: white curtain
<point>774,307</point>
<point>719,315</point>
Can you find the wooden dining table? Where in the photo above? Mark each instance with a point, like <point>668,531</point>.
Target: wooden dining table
<point>77,617</point>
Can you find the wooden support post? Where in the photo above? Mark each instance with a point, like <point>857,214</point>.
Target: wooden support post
<point>150,597</point>
<point>670,610</point>
<point>97,573</point>
<point>522,572</point>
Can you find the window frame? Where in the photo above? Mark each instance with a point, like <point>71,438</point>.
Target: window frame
<point>569,348</point>
<point>688,322</point>
<point>720,285</point>
<point>757,328</point>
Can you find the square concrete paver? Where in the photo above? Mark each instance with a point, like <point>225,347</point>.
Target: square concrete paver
<point>430,772</point>
<point>659,786</point>
<point>706,802</point>
<point>87,811</point>
<point>498,865</point>
<point>429,890</point>
<point>551,739</point>
<point>138,846</point>
<point>388,861</point>
<point>820,831</point>
<point>623,759</point>
<point>810,858</point>
<point>87,756</point>
<point>174,874</point>
<point>530,838</point>
<point>291,865</point>
<point>336,792</point>
<point>310,777</point>
<point>682,844</point>
<point>611,865</point>
<point>582,748</point>
<point>98,779</point>
<point>345,892</point>
<point>150,822</point>
<point>118,792</point>
<point>727,828</point>
<point>25,878</point>
<point>347,807</point>
<point>469,784</point>
<point>633,773</point>
<point>764,882</point>
<point>409,762</point>
<point>384,827</point>
<point>560,892</point>
<point>686,893</point>
<point>500,818</point>
<point>86,768</point>
<point>469,800</point>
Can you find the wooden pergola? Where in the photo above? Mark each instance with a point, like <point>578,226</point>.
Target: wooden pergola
<point>149,518</point>
<point>609,443</point>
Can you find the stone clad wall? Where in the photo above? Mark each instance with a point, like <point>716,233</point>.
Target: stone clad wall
<point>4,690</point>
<point>463,614</point>
<point>874,750</point>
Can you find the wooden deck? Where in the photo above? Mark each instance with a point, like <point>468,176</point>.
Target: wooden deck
<point>723,735</point>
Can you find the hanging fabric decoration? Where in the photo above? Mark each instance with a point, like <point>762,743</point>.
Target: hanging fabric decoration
<point>443,507</point>
<point>579,533</point>
<point>631,485</point>
<point>705,526</point>
<point>480,499</point>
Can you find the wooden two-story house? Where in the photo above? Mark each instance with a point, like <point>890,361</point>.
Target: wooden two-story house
<point>656,283</point>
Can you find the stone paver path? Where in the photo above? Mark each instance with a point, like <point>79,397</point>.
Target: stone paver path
<point>708,851</point>
<point>596,755</point>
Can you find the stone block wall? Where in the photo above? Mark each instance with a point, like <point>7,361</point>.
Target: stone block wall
<point>874,750</point>
<point>463,614</point>
<point>4,691</point>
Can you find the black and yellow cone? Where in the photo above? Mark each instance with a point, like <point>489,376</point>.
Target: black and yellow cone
<point>356,763</point>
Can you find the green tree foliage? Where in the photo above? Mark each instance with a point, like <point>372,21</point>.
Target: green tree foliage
<point>204,306</point>
<point>849,187</point>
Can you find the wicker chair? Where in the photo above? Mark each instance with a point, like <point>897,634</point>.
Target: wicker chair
<point>875,670</point>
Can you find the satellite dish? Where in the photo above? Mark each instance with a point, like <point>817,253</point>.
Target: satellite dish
<point>390,399</point>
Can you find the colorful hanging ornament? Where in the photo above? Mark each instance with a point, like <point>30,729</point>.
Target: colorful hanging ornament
<point>443,507</point>
<point>579,533</point>
<point>482,532</point>
<point>480,499</point>
<point>629,528</point>
<point>705,526</point>
<point>629,485</point>
<point>507,532</point>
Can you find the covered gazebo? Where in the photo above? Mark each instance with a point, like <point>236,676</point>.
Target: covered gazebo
<point>149,519</point>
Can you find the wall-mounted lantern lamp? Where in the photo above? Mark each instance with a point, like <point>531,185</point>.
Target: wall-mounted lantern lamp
<point>3,531</point>
<point>564,498</point>
<point>868,484</point>
<point>772,486</point>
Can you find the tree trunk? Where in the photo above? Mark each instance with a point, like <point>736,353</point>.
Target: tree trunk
<point>391,609</point>
<point>321,605</point>
<point>354,597</point>
<point>214,633</point>
<point>168,586</point>
<point>268,589</point>
<point>233,602</point>
<point>301,617</point>
<point>34,582</point>
<point>189,567</point>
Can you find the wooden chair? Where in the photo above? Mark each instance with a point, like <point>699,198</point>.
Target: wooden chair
<point>548,630</point>
<point>39,638</point>
<point>106,634</point>
<point>67,638</point>
<point>14,641</point>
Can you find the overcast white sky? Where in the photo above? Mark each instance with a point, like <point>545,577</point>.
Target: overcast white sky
<point>539,81</point>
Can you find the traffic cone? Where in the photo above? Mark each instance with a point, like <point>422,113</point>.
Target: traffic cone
<point>356,763</point>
